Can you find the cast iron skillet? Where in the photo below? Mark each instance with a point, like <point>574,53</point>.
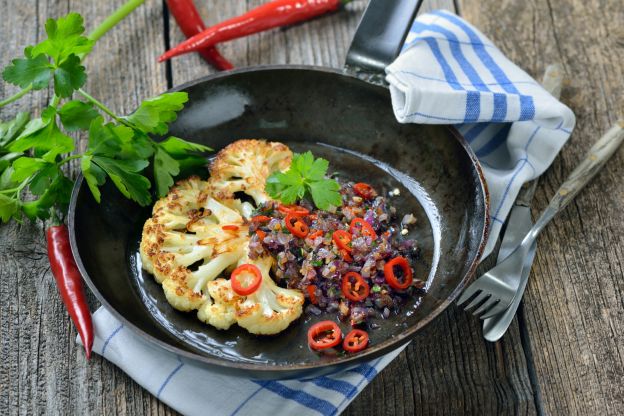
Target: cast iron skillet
<point>342,118</point>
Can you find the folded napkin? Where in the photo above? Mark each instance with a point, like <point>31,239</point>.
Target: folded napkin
<point>193,390</point>
<point>450,73</point>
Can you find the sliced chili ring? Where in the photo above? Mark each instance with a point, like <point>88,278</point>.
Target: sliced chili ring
<point>365,228</point>
<point>261,234</point>
<point>251,287</point>
<point>230,228</point>
<point>315,234</point>
<point>391,277</point>
<point>364,190</point>
<point>312,294</point>
<point>296,226</point>
<point>354,287</point>
<point>342,240</point>
<point>356,340</point>
<point>260,218</point>
<point>346,256</point>
<point>323,335</point>
<point>295,210</point>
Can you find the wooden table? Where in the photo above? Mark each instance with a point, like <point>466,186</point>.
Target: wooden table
<point>562,355</point>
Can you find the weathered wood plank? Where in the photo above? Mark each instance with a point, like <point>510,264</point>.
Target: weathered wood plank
<point>573,306</point>
<point>42,370</point>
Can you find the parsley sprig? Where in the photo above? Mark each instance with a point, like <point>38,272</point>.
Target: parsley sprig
<point>305,177</point>
<point>33,151</point>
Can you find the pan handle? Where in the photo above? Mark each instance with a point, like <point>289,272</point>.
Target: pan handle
<point>380,34</point>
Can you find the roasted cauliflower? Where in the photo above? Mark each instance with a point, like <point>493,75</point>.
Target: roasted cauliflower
<point>270,309</point>
<point>199,231</point>
<point>244,166</point>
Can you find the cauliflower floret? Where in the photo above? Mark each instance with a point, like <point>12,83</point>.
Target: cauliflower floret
<point>222,313</point>
<point>270,309</point>
<point>244,166</point>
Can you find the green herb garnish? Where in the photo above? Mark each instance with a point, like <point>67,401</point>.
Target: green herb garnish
<point>306,177</point>
<point>34,150</point>
<point>376,289</point>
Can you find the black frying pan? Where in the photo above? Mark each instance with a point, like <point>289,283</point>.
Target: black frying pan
<point>338,116</point>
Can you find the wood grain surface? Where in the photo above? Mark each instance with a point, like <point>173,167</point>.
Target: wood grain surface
<point>563,355</point>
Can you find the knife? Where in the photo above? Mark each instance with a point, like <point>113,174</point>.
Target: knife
<point>518,224</point>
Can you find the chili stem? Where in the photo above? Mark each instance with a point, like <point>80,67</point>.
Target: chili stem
<point>117,16</point>
<point>16,97</point>
<point>103,107</point>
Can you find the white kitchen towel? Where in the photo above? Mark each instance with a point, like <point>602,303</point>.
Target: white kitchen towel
<point>193,390</point>
<point>448,72</point>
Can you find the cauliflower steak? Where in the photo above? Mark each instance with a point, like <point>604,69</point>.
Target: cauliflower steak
<point>198,233</point>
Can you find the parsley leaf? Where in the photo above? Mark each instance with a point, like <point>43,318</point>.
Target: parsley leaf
<point>11,129</point>
<point>306,176</point>
<point>9,207</point>
<point>76,115</point>
<point>69,76</point>
<point>65,37</point>
<point>94,176</point>
<point>176,146</point>
<point>124,175</point>
<point>30,70</point>
<point>44,137</point>
<point>155,114</point>
<point>165,168</point>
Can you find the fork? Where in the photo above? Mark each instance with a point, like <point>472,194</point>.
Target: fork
<point>496,289</point>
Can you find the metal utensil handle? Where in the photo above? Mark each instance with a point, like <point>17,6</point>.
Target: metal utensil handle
<point>593,162</point>
<point>380,34</point>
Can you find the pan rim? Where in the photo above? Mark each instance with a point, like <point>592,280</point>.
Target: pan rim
<point>277,371</point>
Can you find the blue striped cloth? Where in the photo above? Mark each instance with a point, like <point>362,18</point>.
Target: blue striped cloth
<point>447,73</point>
<point>450,73</point>
<point>193,390</point>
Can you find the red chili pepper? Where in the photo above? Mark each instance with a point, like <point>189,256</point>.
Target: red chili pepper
<point>260,218</point>
<point>324,334</point>
<point>268,16</point>
<point>392,279</point>
<point>342,240</point>
<point>356,340</point>
<point>251,287</point>
<point>261,234</point>
<point>191,23</point>
<point>69,283</point>
<point>365,228</point>
<point>295,210</point>
<point>297,227</point>
<point>364,190</point>
<point>230,228</point>
<point>315,234</point>
<point>354,287</point>
<point>312,294</point>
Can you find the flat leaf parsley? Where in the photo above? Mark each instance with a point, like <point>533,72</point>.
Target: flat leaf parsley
<point>119,148</point>
<point>306,177</point>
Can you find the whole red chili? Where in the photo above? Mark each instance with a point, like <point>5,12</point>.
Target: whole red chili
<point>356,340</point>
<point>191,23</point>
<point>391,277</point>
<point>270,15</point>
<point>69,283</point>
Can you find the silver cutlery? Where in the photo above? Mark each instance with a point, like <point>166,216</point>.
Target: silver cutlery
<point>518,224</point>
<point>497,288</point>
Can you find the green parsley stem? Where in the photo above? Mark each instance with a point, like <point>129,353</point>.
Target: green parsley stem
<point>69,158</point>
<point>117,16</point>
<point>102,107</point>
<point>16,96</point>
